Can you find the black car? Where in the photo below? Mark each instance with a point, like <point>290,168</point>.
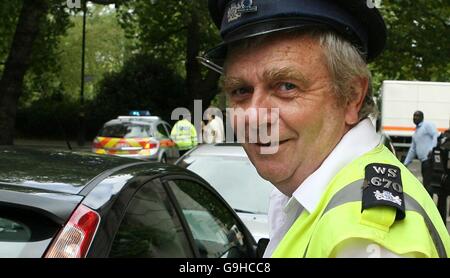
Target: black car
<point>65,204</point>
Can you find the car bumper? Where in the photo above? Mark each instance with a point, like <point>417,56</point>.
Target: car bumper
<point>143,155</point>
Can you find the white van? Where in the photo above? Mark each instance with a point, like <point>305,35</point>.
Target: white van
<point>399,101</point>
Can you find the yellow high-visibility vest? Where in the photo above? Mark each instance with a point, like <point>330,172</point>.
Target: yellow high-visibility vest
<point>339,216</point>
<point>184,135</point>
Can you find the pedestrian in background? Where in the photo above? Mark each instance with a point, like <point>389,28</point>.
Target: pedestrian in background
<point>213,131</point>
<point>184,135</point>
<point>444,138</point>
<point>424,140</point>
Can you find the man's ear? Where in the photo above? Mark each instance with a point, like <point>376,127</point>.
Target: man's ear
<point>358,88</point>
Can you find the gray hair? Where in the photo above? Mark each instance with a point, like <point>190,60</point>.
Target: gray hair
<point>344,62</point>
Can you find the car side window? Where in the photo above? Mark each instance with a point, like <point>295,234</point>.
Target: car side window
<point>162,132</point>
<point>151,227</point>
<point>214,228</point>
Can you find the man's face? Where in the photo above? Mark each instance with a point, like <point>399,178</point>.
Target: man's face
<point>288,73</point>
<point>417,118</point>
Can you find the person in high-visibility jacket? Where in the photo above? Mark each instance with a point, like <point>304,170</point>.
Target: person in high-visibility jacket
<point>184,135</point>
<point>339,192</point>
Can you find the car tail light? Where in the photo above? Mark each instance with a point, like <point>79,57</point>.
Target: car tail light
<point>151,145</point>
<point>75,238</point>
<point>96,144</point>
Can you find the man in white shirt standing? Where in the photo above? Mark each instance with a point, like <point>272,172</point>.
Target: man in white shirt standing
<point>339,192</point>
<point>213,131</point>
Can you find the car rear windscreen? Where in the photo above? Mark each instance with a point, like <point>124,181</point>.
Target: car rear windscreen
<point>24,234</point>
<point>126,130</point>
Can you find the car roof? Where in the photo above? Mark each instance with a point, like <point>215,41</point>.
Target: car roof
<point>54,182</point>
<point>150,120</point>
<point>139,118</point>
<point>53,170</point>
<point>220,149</point>
<point>118,122</point>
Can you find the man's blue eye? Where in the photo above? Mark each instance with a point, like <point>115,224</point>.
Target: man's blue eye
<point>287,86</point>
<point>240,91</point>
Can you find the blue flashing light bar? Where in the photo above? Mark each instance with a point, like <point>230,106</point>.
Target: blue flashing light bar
<point>139,113</point>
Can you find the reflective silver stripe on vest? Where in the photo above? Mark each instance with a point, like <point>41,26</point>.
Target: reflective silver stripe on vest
<point>353,193</point>
<point>412,204</point>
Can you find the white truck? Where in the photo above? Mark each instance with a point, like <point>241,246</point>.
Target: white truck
<point>399,101</point>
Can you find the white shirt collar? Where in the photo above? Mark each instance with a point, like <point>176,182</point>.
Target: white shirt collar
<point>357,141</point>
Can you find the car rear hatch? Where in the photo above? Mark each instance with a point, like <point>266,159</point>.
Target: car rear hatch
<point>124,146</point>
<point>40,190</point>
<point>125,138</point>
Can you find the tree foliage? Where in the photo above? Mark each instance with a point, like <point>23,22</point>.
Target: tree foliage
<point>29,25</point>
<point>160,28</point>
<point>106,49</point>
<point>143,84</point>
<point>9,14</point>
<point>42,74</point>
<point>418,46</point>
<point>174,32</point>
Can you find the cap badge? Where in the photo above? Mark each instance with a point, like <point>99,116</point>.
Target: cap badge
<point>238,8</point>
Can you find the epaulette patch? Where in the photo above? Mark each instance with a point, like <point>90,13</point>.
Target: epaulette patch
<point>383,187</point>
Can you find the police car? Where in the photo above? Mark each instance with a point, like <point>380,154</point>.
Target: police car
<point>136,136</point>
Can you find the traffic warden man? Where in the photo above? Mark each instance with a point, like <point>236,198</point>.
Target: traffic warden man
<point>339,192</point>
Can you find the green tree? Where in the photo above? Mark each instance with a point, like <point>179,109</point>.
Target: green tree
<point>29,23</point>
<point>418,45</point>
<point>175,32</point>
<point>30,32</point>
<point>42,77</point>
<point>144,83</point>
<point>106,49</point>
<point>9,14</point>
